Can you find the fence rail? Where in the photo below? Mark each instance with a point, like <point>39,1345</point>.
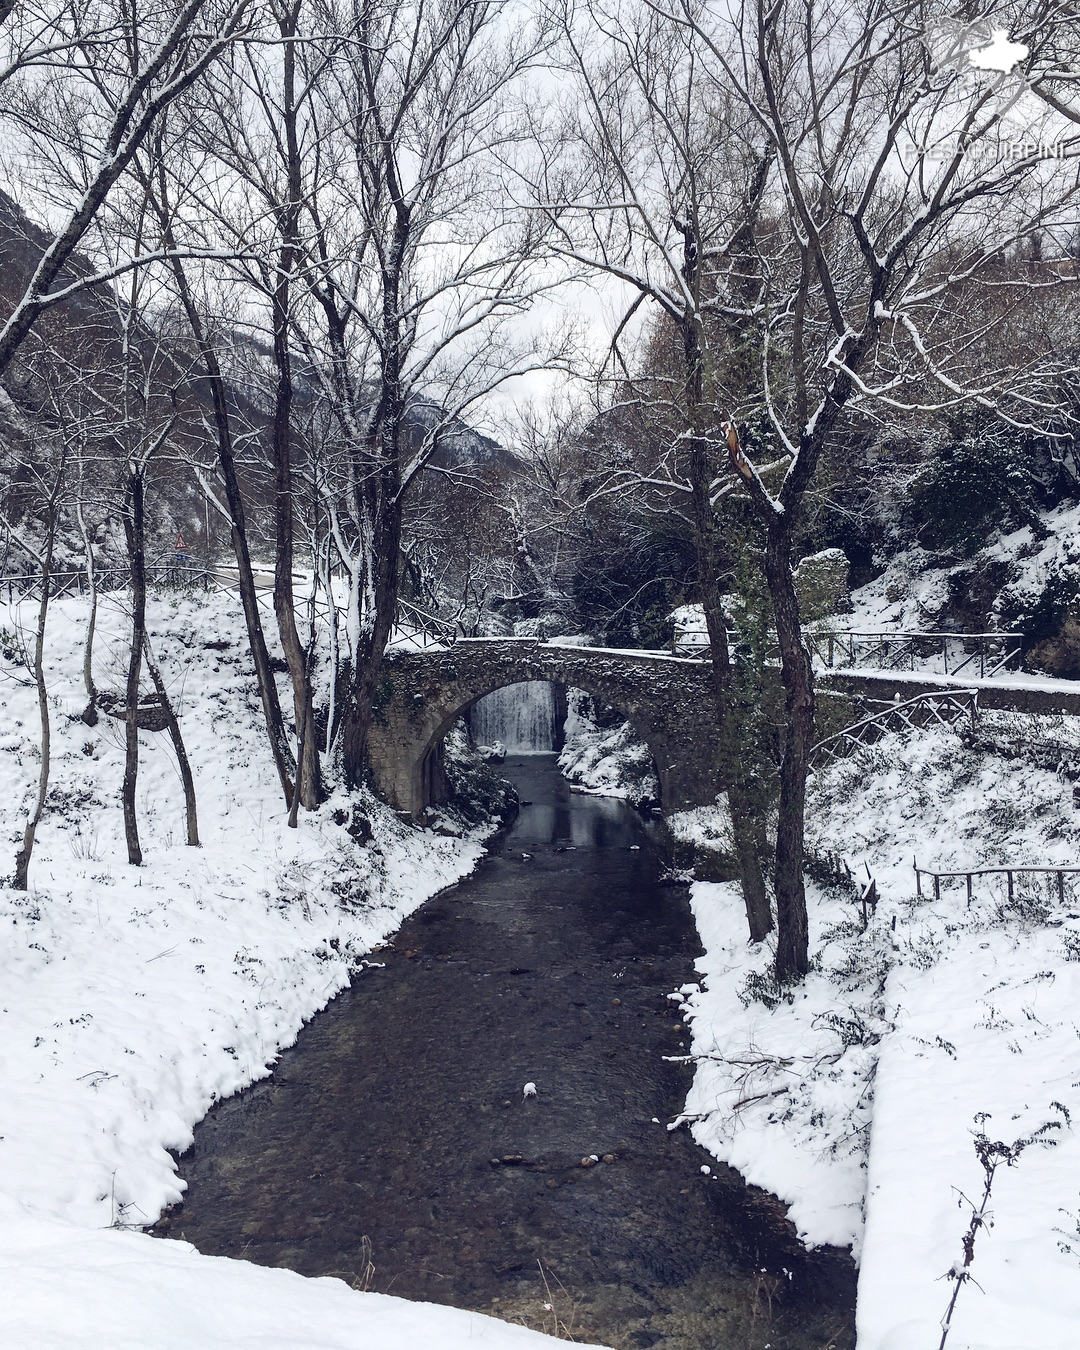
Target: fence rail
<point>936,653</point>
<point>945,709</point>
<point>986,652</point>
<point>1010,872</point>
<point>835,870</point>
<point>416,627</point>
<point>107,578</point>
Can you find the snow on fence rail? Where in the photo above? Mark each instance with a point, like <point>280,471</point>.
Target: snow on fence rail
<point>990,652</point>
<point>1055,878</point>
<point>694,642</point>
<point>835,870</point>
<point>935,653</point>
<point>416,627</point>
<point>107,578</point>
<point>944,709</point>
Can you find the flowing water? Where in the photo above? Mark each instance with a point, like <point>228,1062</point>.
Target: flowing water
<point>394,1145</point>
<point>522,717</point>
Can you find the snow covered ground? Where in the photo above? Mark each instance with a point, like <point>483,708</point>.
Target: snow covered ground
<point>914,591</point>
<point>861,1098</point>
<point>607,761</point>
<point>132,998</point>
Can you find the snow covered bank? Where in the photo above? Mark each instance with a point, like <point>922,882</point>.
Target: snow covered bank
<point>860,1097</point>
<point>1022,580</point>
<point>133,998</point>
<point>605,759</point>
<point>67,1287</point>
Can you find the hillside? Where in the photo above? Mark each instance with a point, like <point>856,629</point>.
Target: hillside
<point>134,998</point>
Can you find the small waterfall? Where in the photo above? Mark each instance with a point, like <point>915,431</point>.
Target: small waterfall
<point>521,716</point>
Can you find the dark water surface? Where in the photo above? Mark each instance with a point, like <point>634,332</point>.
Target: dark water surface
<point>397,1126</point>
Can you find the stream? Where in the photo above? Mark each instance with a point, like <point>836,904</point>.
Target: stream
<point>393,1145</point>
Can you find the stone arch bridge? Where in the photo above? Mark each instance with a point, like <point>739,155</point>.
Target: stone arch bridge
<point>667,700</point>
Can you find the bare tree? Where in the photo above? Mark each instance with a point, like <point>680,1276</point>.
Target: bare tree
<point>111,73</point>
<point>802,193</point>
<point>417,262</point>
<point>172,725</point>
<point>52,504</point>
<point>157,187</point>
<point>654,186</point>
<point>897,192</point>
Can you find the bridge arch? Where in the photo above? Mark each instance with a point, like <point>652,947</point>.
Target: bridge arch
<point>428,786</point>
<point>666,699</point>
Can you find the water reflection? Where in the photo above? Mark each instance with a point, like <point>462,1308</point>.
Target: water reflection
<point>552,814</point>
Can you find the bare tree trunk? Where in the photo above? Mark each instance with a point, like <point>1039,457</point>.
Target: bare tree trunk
<point>90,712</point>
<point>268,694</point>
<point>362,696</point>
<point>134,528</point>
<point>173,726</point>
<point>745,826</point>
<point>22,858</point>
<point>306,728</point>
<point>792,950</point>
<point>310,789</point>
<point>744,823</point>
<point>378,492</point>
<point>326,577</point>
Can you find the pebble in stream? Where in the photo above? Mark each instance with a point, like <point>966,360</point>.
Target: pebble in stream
<point>397,1129</point>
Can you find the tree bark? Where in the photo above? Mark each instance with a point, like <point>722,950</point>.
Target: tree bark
<point>362,695</point>
<point>268,693</point>
<point>744,824</point>
<point>22,858</point>
<point>310,789</point>
<point>90,712</point>
<point>191,817</point>
<point>377,491</point>
<point>134,528</point>
<point>792,950</point>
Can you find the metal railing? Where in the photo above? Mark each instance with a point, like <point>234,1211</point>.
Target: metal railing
<point>109,577</point>
<point>1010,872</point>
<point>937,653</point>
<point>934,653</point>
<point>417,627</point>
<point>695,642</point>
